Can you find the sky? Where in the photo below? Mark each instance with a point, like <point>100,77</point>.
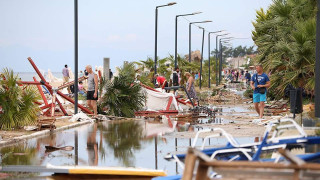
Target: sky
<point>122,30</point>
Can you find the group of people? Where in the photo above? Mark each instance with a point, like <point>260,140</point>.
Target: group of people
<point>161,82</point>
<point>234,75</point>
<point>92,90</point>
<point>259,82</point>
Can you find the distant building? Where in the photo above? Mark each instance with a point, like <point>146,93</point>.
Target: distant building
<point>195,56</point>
<point>237,61</point>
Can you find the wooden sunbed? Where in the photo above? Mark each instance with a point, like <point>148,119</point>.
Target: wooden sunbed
<point>296,169</point>
<point>46,122</point>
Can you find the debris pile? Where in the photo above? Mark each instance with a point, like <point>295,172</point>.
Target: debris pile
<point>225,97</point>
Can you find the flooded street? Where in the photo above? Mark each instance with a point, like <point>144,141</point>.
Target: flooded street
<point>115,144</point>
<point>139,143</point>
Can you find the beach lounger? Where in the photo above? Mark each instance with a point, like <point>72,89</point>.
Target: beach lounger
<point>235,151</point>
<point>297,168</point>
<point>46,122</point>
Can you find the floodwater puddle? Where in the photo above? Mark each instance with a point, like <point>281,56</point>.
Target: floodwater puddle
<point>109,144</point>
<point>216,121</point>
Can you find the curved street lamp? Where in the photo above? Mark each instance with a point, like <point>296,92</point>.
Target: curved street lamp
<point>156,35</point>
<point>203,31</point>
<point>176,36</point>
<point>209,84</point>
<point>190,35</point>
<point>220,59</point>
<point>217,55</point>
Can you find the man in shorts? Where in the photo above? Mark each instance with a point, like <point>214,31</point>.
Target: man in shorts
<point>92,91</point>
<point>66,76</point>
<point>259,81</point>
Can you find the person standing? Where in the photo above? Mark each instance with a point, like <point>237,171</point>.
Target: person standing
<point>248,77</point>
<point>81,74</point>
<point>110,74</point>
<point>259,83</point>
<point>190,87</point>
<point>175,78</point>
<point>237,75</point>
<point>66,76</point>
<point>92,91</point>
<point>196,76</point>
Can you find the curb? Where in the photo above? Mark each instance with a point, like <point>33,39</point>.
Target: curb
<point>24,138</point>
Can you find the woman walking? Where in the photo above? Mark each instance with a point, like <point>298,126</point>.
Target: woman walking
<point>190,87</point>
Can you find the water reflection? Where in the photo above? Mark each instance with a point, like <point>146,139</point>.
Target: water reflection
<point>126,143</point>
<point>124,139</point>
<point>19,155</point>
<point>92,147</point>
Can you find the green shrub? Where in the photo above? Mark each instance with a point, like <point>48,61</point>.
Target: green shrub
<point>122,96</point>
<point>18,107</point>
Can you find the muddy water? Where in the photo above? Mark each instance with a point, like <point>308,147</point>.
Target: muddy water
<point>128,144</point>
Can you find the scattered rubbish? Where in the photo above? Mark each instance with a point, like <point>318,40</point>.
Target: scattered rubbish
<point>80,117</point>
<point>4,175</point>
<point>64,148</point>
<point>46,122</point>
<point>19,154</point>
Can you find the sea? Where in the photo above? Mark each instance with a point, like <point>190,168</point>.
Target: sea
<point>28,76</point>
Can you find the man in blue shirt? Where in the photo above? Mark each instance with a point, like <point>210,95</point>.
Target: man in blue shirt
<point>259,81</point>
<point>248,77</point>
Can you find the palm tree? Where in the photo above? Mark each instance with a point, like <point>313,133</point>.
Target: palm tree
<point>285,36</point>
<point>18,107</point>
<point>147,64</point>
<point>165,68</point>
<point>122,96</point>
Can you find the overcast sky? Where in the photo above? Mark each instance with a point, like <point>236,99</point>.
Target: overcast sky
<point>120,29</point>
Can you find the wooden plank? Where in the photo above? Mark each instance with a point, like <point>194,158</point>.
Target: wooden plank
<point>292,158</point>
<point>296,175</point>
<point>41,92</point>
<point>189,165</point>
<point>202,172</point>
<point>245,164</point>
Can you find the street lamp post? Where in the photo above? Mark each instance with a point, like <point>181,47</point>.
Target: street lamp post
<point>75,56</point>
<point>156,35</point>
<point>317,65</point>
<point>217,56</point>
<point>220,59</point>
<point>190,35</point>
<point>209,85</point>
<point>203,31</point>
<point>220,62</point>
<point>176,36</point>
